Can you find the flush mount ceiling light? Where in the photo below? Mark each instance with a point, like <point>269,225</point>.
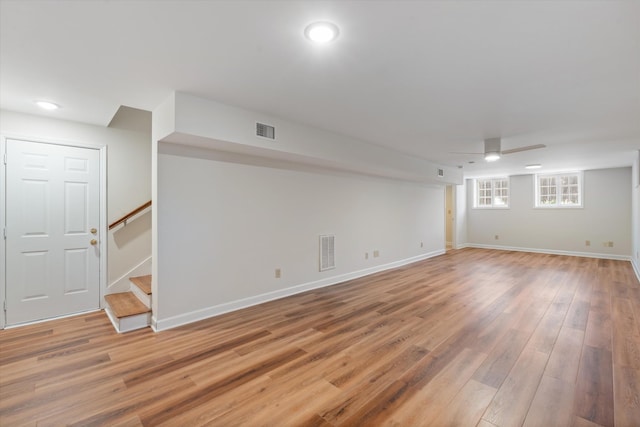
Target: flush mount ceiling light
<point>491,156</point>
<point>46,105</point>
<point>321,32</point>
<point>536,166</point>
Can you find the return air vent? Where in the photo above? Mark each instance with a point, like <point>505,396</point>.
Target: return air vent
<point>440,173</point>
<point>265,131</point>
<point>327,252</point>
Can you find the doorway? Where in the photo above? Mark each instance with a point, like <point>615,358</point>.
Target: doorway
<point>53,201</point>
<point>449,217</point>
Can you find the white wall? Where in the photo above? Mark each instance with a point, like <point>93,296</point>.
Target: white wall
<point>128,181</point>
<point>606,216</point>
<point>190,120</point>
<point>460,218</point>
<point>635,214</point>
<point>226,222</point>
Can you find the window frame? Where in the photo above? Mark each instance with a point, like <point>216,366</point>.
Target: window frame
<point>492,180</point>
<point>558,186</point>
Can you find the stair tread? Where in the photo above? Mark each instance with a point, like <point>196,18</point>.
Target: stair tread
<point>125,304</point>
<point>143,282</point>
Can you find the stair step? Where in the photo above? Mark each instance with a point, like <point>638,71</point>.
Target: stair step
<point>125,304</point>
<point>143,282</point>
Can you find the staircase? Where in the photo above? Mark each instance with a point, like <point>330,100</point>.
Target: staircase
<point>131,310</point>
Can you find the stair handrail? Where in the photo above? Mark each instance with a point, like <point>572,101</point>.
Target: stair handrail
<point>131,214</point>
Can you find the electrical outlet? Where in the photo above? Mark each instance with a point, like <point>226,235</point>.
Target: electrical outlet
<point>587,242</point>
<point>496,237</point>
<point>366,255</point>
<point>278,273</point>
<point>376,254</point>
<point>610,244</point>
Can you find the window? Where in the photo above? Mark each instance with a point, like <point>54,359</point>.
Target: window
<point>562,190</point>
<point>491,193</point>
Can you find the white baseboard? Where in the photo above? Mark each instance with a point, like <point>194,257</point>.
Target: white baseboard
<point>205,313</point>
<point>548,251</point>
<point>636,268</point>
<point>122,284</point>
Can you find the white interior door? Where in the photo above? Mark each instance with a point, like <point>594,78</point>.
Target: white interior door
<point>52,222</point>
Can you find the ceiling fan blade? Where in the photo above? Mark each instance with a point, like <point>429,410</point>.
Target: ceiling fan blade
<point>471,154</point>
<point>527,148</point>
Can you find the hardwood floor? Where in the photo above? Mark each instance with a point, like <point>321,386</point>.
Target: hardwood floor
<point>472,338</point>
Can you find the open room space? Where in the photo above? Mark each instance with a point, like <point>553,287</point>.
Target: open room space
<point>320,213</point>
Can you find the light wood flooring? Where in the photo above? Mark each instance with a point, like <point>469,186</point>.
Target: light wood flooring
<point>472,338</point>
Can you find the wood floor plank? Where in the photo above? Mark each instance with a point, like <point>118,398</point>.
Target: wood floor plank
<point>511,403</point>
<point>552,404</point>
<point>473,337</point>
<point>594,387</point>
<point>565,357</point>
<point>626,381</point>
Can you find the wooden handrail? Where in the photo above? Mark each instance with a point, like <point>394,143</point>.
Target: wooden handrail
<point>130,214</point>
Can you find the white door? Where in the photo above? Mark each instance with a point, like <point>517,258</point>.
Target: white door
<point>52,221</point>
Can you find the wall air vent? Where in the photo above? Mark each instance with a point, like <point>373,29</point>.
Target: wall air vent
<point>440,173</point>
<point>327,252</point>
<point>265,131</point>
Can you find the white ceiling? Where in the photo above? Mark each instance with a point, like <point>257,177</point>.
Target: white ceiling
<point>423,77</point>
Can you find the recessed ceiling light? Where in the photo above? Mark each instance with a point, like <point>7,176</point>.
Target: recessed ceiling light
<point>321,32</point>
<point>46,105</point>
<point>536,166</point>
<point>491,156</point>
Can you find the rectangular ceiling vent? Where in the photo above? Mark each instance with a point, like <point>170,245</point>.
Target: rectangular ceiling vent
<point>327,252</point>
<point>440,173</point>
<point>265,131</point>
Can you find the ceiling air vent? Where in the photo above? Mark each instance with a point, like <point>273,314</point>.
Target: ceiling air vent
<point>440,173</point>
<point>327,252</point>
<point>265,131</point>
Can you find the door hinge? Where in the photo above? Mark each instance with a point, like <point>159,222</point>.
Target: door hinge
<point>5,158</point>
<point>4,233</point>
<point>5,305</point>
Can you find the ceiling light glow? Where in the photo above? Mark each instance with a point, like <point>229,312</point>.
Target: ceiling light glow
<point>46,105</point>
<point>321,32</point>
<point>491,157</point>
<point>535,166</point>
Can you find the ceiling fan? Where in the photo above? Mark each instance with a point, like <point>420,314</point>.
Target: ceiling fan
<point>492,149</point>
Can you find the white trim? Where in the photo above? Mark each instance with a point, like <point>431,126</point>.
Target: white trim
<point>103,227</point>
<point>3,223</point>
<point>122,283</point>
<point>128,323</point>
<point>550,251</point>
<point>205,313</point>
<point>636,268</point>
<point>35,322</point>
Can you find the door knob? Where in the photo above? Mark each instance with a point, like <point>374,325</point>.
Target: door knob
<point>93,242</point>
<point>93,231</point>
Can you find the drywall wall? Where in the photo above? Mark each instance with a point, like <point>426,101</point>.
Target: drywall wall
<point>128,178</point>
<point>635,214</point>
<point>460,218</point>
<point>606,216</point>
<point>189,120</point>
<point>226,222</point>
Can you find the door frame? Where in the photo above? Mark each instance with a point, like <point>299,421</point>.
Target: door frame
<point>103,226</point>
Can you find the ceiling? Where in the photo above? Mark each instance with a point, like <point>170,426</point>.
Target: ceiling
<point>427,78</point>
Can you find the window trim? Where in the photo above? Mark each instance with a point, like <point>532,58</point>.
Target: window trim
<point>493,180</point>
<point>557,175</point>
